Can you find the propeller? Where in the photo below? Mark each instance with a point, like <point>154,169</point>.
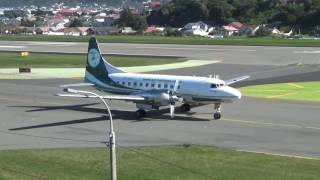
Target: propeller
<point>173,98</point>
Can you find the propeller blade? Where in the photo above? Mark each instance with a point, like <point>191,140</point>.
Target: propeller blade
<point>172,107</point>
<point>176,85</point>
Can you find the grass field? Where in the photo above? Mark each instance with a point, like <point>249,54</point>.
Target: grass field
<point>13,60</point>
<point>268,41</point>
<point>309,91</point>
<point>153,163</point>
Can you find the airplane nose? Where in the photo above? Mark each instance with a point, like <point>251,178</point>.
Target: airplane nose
<point>234,93</point>
<point>237,93</point>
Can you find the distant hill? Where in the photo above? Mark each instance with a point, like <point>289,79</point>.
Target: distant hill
<point>21,3</point>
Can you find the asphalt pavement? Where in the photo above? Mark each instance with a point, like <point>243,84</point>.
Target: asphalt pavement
<point>32,117</point>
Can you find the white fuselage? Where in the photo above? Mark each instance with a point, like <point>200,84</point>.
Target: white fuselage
<point>201,89</point>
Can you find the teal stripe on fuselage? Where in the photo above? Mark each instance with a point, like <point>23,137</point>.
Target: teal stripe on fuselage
<point>109,85</point>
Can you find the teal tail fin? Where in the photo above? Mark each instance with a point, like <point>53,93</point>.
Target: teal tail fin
<point>97,68</point>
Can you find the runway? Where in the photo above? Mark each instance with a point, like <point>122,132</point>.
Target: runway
<point>253,55</point>
<point>31,117</point>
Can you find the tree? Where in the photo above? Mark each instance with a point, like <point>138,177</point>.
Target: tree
<point>180,12</point>
<point>263,31</point>
<point>137,22</point>
<point>220,11</point>
<point>76,23</point>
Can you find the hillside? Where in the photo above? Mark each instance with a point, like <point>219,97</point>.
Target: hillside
<point>20,3</point>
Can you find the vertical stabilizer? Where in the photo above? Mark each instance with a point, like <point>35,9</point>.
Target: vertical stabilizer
<point>97,67</point>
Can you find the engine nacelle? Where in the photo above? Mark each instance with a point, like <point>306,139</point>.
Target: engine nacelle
<point>155,98</point>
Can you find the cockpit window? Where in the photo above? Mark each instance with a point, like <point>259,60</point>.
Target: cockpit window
<point>213,86</point>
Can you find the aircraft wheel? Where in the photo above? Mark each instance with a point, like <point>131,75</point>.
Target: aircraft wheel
<point>185,107</point>
<point>217,116</point>
<point>140,113</point>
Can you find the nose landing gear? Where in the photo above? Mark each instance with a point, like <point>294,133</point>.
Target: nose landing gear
<point>217,114</point>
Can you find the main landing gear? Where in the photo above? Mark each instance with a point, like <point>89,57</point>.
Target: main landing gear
<point>140,113</point>
<point>217,114</point>
<point>185,107</point>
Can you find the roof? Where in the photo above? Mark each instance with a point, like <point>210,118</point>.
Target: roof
<point>152,29</point>
<point>236,24</point>
<point>229,28</point>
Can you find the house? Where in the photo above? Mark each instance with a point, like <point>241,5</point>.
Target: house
<point>76,31</point>
<point>229,30</point>
<point>242,28</point>
<point>236,24</point>
<point>127,30</point>
<point>154,29</point>
<point>103,30</point>
<point>30,30</point>
<point>56,24</point>
<point>42,30</point>
<point>197,28</point>
<point>59,32</point>
<point>70,12</point>
<point>155,3</point>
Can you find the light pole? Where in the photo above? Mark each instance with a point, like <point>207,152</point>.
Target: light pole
<point>112,141</point>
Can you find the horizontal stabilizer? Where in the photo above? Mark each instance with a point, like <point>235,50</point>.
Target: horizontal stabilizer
<point>235,80</point>
<point>110,97</point>
<point>76,85</point>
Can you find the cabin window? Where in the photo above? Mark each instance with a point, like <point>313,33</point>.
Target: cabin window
<point>147,84</point>
<point>221,84</point>
<point>135,84</point>
<point>129,83</point>
<point>159,85</point>
<point>141,84</point>
<point>123,83</point>
<point>152,85</point>
<point>213,86</point>
<point>179,87</point>
<point>165,86</point>
<point>171,86</point>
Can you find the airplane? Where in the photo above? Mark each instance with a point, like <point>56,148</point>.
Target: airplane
<point>152,91</point>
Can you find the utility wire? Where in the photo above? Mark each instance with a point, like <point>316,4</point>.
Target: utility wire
<point>150,156</point>
<point>22,173</point>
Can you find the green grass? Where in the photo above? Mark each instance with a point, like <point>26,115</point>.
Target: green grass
<point>164,162</point>
<point>13,60</point>
<point>309,91</point>
<point>268,41</point>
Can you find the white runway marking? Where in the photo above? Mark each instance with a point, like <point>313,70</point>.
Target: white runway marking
<point>53,43</point>
<point>13,47</point>
<point>278,154</point>
<point>306,52</point>
<point>198,49</point>
<point>267,124</point>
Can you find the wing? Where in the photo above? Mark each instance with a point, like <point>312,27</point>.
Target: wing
<point>110,97</point>
<point>76,85</point>
<point>235,80</point>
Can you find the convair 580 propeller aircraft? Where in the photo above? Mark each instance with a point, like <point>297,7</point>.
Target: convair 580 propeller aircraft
<point>151,91</point>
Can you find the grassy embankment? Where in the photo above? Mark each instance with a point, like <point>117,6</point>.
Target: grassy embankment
<point>308,91</point>
<point>164,162</point>
<point>268,41</point>
<point>42,60</point>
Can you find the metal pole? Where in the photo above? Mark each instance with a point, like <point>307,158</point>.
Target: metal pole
<point>112,140</point>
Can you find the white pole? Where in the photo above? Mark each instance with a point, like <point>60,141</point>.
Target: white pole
<point>112,140</point>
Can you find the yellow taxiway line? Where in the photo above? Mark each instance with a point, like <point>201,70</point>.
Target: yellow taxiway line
<point>281,95</point>
<point>295,85</point>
